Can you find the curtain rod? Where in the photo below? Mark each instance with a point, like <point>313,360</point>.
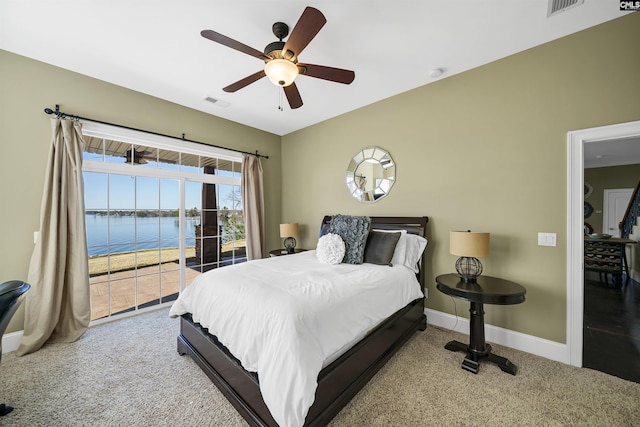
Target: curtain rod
<point>62,115</point>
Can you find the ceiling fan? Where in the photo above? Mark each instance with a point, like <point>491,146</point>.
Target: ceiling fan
<point>140,157</point>
<point>136,157</point>
<point>281,58</point>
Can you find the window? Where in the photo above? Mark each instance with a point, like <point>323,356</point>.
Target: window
<point>158,214</point>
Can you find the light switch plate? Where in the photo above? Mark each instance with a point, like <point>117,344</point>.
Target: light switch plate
<point>547,239</point>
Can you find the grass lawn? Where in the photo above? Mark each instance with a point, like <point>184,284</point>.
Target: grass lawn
<point>127,260</point>
<point>123,261</point>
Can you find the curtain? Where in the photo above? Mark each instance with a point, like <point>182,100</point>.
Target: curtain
<point>57,309</point>
<point>253,205</point>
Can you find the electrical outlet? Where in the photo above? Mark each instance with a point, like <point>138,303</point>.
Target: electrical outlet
<point>547,239</point>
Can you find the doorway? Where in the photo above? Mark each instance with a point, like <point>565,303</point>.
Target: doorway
<point>577,140</point>
<point>615,202</point>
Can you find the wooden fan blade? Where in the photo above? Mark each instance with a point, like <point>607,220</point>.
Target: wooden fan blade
<point>337,75</point>
<point>244,82</point>
<point>233,44</point>
<point>293,96</point>
<point>311,21</point>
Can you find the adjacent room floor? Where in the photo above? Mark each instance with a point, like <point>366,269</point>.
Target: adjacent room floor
<point>612,329</point>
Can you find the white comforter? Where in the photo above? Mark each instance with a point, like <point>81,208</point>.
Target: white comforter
<point>286,317</point>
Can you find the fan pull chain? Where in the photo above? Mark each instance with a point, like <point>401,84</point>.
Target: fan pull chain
<point>280,100</point>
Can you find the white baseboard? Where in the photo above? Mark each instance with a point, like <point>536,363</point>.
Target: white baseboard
<point>11,341</point>
<point>505,337</point>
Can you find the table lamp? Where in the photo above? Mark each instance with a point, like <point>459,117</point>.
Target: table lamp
<point>469,246</point>
<point>287,231</point>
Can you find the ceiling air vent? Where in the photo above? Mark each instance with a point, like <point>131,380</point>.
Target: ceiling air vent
<point>217,102</point>
<point>557,6</point>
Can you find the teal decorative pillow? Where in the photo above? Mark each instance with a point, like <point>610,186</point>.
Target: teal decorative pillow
<point>354,231</point>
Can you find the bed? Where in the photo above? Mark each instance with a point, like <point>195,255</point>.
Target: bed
<point>343,372</point>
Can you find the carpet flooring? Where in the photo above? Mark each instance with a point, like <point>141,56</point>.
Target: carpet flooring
<point>128,372</point>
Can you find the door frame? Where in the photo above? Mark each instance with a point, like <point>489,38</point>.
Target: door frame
<point>575,225</point>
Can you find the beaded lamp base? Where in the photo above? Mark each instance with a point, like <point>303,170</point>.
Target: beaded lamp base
<point>468,268</point>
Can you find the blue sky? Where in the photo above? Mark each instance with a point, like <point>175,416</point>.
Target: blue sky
<point>128,192</point>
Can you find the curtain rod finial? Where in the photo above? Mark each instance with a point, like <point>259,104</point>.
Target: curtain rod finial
<point>50,111</point>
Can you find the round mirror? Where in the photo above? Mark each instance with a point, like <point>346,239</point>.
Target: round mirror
<point>370,174</point>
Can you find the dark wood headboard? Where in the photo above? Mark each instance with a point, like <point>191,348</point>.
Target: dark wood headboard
<point>413,224</point>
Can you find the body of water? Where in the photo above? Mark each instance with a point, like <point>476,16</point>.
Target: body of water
<point>128,233</point>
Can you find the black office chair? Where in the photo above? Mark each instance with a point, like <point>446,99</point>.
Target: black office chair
<point>11,295</point>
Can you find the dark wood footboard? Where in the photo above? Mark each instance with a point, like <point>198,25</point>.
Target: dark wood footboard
<point>337,383</point>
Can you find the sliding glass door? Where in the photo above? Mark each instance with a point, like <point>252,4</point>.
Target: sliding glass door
<point>133,236</point>
<point>156,218</point>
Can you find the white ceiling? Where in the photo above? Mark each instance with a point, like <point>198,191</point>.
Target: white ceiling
<point>155,47</point>
<point>614,152</point>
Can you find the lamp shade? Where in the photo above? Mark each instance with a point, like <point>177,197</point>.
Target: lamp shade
<point>281,72</point>
<point>289,230</point>
<point>469,244</point>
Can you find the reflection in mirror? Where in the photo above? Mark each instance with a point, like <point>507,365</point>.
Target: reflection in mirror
<point>370,175</point>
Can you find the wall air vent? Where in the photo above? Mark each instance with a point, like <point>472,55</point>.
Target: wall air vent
<point>217,102</point>
<point>557,6</point>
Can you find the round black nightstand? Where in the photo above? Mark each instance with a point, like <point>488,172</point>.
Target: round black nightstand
<point>278,252</point>
<point>485,290</point>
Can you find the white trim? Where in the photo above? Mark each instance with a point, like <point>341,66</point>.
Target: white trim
<point>505,337</point>
<point>126,169</point>
<point>575,225</point>
<point>11,341</point>
<point>117,133</point>
<point>133,313</point>
<point>575,247</point>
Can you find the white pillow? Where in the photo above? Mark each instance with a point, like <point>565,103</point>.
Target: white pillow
<point>408,250</point>
<point>414,247</point>
<point>330,249</point>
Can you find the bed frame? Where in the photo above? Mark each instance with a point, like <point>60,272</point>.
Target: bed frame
<point>339,381</point>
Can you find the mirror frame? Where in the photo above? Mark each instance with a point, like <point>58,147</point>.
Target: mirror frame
<point>381,158</point>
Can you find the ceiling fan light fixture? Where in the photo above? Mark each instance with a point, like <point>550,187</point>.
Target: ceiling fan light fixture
<point>281,72</point>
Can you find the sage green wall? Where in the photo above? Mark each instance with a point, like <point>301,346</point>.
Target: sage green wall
<point>484,150</point>
<point>606,179</point>
<point>28,86</point>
